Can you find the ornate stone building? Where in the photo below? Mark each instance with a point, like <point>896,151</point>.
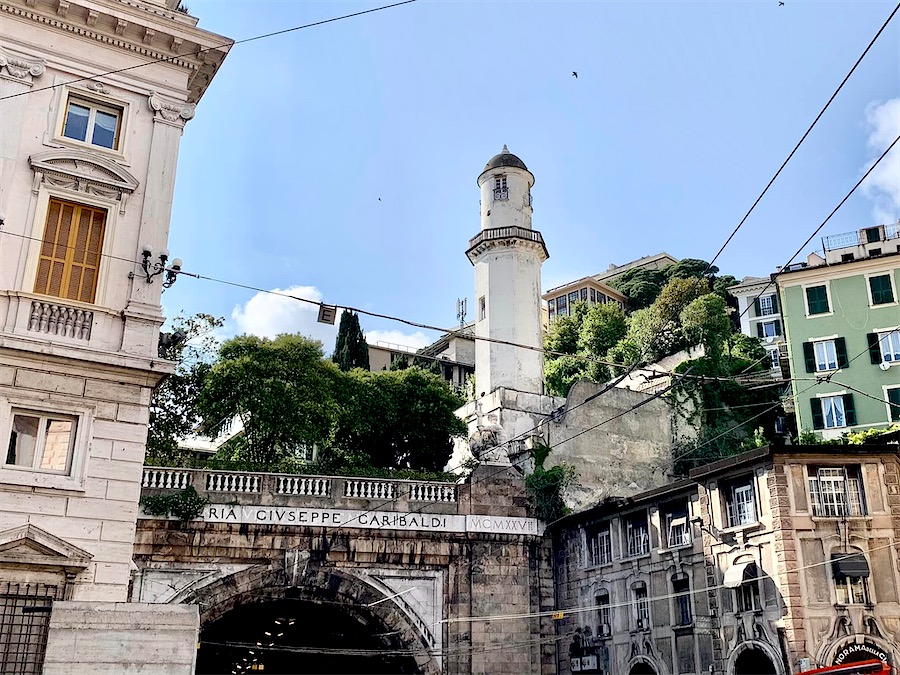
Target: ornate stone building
<point>94,96</point>
<point>772,562</point>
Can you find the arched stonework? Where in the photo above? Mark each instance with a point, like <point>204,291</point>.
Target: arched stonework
<point>763,647</point>
<point>266,582</point>
<point>84,172</point>
<point>830,650</point>
<point>646,662</point>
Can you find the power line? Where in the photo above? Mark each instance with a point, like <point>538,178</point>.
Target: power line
<point>803,138</point>
<point>229,44</point>
<point>667,596</point>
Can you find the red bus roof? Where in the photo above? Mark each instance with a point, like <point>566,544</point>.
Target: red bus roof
<point>874,667</point>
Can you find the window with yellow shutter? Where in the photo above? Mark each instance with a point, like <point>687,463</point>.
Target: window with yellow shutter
<point>70,251</point>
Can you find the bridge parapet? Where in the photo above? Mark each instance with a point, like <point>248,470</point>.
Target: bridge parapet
<point>274,489</point>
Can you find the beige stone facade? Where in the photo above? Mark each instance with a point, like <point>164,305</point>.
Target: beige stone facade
<point>94,97</point>
<point>790,556</point>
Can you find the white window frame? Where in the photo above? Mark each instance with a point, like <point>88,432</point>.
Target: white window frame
<point>892,335</point>
<point>740,505</point>
<point>638,536</point>
<point>832,397</point>
<point>641,606</point>
<point>678,530</point>
<point>774,357</point>
<point>767,305</point>
<point>770,322</point>
<point>823,360</point>
<point>834,493</point>
<point>604,613</point>
<point>827,286</point>
<point>852,591</point>
<point>19,475</point>
<point>887,401</point>
<point>94,100</point>
<point>890,275</point>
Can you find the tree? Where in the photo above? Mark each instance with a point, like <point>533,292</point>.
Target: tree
<point>398,419</point>
<point>691,268</point>
<point>705,322</point>
<point>350,348</point>
<point>583,338</point>
<point>173,405</point>
<point>283,391</point>
<point>640,286</point>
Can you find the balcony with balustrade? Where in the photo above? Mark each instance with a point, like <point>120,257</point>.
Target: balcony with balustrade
<point>864,243</point>
<point>505,236</point>
<point>292,490</point>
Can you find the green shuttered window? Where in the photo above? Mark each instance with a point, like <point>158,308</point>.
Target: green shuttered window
<point>817,300</point>
<point>882,291</point>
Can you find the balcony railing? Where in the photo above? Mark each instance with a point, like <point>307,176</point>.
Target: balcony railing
<point>261,485</point>
<point>868,235</point>
<point>499,233</point>
<point>57,319</point>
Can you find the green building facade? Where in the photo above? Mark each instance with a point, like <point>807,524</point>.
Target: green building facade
<point>841,319</point>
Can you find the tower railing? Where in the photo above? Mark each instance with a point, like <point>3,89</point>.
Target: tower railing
<point>505,233</point>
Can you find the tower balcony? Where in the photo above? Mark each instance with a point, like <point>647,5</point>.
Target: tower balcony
<point>506,237</point>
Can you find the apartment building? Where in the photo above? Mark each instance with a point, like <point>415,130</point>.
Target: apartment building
<point>841,317</point>
<point>771,562</point>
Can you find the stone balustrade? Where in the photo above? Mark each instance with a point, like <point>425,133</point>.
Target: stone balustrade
<point>56,319</point>
<point>238,487</point>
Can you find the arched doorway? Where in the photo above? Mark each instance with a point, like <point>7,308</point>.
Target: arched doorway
<point>303,637</point>
<point>754,662</point>
<point>641,668</point>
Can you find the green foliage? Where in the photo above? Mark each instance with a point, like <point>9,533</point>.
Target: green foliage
<point>690,268</point>
<point>641,286</point>
<point>722,408</point>
<point>396,419</point>
<point>283,390</point>
<point>861,437</point>
<point>705,322</point>
<point>583,337</point>
<point>184,505</point>
<point>350,348</point>
<point>173,406</point>
<point>545,489</point>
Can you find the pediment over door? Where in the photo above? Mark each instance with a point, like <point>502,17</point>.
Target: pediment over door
<point>83,171</point>
<point>30,546</point>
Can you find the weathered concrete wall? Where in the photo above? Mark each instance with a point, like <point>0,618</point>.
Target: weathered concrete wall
<point>120,639</point>
<point>627,454</point>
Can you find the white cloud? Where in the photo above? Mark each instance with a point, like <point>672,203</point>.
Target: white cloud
<point>414,341</point>
<point>268,315</point>
<point>883,184</point>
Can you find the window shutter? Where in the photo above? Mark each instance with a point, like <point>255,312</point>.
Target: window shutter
<point>775,303</point>
<point>849,409</point>
<point>818,420</point>
<point>809,356</point>
<point>756,309</point>
<point>874,348</point>
<point>759,330</point>
<point>777,326</point>
<point>840,346</point>
<point>894,400</point>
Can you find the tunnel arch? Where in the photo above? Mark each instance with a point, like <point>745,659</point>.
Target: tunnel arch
<point>329,593</point>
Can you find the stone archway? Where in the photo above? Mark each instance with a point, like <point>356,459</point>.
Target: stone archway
<point>641,666</point>
<point>855,648</point>
<point>331,622</point>
<point>754,658</point>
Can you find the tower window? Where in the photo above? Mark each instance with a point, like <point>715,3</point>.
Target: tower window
<point>500,191</point>
<point>482,308</point>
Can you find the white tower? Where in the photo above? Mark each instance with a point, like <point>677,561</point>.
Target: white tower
<point>507,255</point>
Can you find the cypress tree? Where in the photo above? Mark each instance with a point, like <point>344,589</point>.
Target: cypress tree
<point>350,349</point>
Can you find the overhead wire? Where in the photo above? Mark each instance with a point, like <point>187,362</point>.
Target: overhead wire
<point>228,44</point>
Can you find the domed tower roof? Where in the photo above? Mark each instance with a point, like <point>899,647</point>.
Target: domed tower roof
<point>505,158</point>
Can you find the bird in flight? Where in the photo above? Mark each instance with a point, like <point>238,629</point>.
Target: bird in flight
<point>379,199</point>
<point>575,74</point>
<point>781,3</point>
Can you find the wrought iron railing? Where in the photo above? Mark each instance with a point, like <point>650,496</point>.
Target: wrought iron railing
<point>505,233</point>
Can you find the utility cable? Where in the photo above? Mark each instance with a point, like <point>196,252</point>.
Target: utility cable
<point>229,44</point>
<point>811,127</point>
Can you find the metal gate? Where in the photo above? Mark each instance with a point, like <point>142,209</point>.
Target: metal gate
<point>24,621</point>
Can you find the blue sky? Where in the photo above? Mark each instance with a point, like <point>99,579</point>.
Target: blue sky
<point>681,113</point>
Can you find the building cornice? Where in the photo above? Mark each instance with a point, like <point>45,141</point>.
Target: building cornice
<point>842,270</point>
<point>150,31</point>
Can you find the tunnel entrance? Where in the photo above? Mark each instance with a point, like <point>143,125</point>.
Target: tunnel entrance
<point>302,637</point>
